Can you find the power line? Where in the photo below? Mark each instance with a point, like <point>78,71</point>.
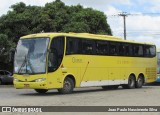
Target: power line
<point>124,14</point>
<point>135,14</point>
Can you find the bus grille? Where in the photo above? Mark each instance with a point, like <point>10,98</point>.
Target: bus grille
<point>151,72</point>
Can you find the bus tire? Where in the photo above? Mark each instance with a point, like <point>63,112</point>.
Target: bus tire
<point>68,86</point>
<point>1,83</point>
<point>110,87</point>
<point>139,82</point>
<point>131,83</point>
<point>41,91</point>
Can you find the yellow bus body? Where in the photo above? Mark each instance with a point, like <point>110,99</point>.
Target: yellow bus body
<point>90,70</point>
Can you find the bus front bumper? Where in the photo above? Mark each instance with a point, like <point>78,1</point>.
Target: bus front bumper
<point>30,85</point>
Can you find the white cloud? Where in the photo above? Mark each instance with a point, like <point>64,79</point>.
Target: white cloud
<point>110,10</point>
<point>144,29</point>
<point>114,20</point>
<point>151,5</point>
<point>96,2</point>
<point>143,22</point>
<point>155,8</point>
<point>139,27</point>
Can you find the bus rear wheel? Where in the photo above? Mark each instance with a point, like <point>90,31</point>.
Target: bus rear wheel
<point>68,86</point>
<point>41,91</point>
<point>139,82</point>
<point>131,83</point>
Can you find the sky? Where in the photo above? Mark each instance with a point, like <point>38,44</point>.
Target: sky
<point>142,21</point>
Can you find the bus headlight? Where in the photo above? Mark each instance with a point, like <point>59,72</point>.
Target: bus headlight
<point>16,80</point>
<point>40,79</point>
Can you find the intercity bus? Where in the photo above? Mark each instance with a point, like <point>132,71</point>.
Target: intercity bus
<point>65,61</point>
<point>158,66</point>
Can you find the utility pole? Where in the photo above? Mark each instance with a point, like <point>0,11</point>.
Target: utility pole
<point>124,14</point>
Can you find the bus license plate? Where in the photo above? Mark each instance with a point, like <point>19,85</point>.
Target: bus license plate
<point>26,85</point>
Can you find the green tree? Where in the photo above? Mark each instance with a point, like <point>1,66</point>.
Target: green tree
<point>6,45</point>
<point>90,21</point>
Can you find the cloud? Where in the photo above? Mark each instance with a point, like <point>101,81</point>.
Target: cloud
<point>115,22</point>
<point>149,5</point>
<point>143,28</point>
<point>97,4</point>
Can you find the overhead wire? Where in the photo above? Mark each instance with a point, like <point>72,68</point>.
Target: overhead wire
<point>135,32</point>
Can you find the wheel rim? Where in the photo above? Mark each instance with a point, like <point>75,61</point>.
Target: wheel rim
<point>67,86</point>
<point>131,82</point>
<point>140,81</point>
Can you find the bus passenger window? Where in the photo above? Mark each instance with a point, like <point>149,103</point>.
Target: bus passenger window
<point>72,46</point>
<point>152,51</point>
<point>113,49</point>
<point>149,51</point>
<point>101,47</point>
<point>121,49</point>
<point>138,50</point>
<point>56,53</point>
<point>87,46</point>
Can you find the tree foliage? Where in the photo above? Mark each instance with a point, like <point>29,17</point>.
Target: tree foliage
<point>53,17</point>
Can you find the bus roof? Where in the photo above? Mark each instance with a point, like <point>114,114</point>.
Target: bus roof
<point>82,35</point>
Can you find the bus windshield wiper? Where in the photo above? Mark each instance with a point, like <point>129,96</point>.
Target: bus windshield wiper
<point>26,61</point>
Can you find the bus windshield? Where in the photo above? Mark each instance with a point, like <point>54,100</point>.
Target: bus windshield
<point>30,56</point>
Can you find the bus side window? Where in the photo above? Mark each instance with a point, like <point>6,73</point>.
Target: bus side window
<point>152,51</point>
<point>102,47</point>
<point>72,46</point>
<point>127,50</point>
<point>149,51</point>
<point>135,49</point>
<point>56,53</point>
<point>146,51</point>
<point>87,46</point>
<point>138,50</point>
<point>122,49</point>
<point>113,48</point>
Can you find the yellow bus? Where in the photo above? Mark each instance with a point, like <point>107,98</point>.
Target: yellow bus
<point>65,61</point>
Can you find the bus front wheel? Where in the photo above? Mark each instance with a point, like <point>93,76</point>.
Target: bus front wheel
<point>68,86</point>
<point>41,91</point>
<point>131,83</point>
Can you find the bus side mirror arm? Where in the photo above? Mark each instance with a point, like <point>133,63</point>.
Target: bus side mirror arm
<point>49,50</point>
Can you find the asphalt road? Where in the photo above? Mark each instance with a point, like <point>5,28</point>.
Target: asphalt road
<point>149,95</point>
